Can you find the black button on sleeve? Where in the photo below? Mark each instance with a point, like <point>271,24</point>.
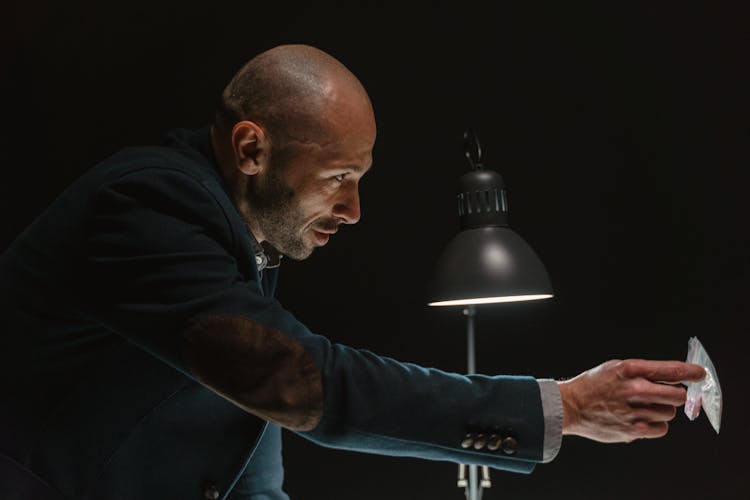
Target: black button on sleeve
<point>480,441</point>
<point>494,442</point>
<point>510,445</point>
<point>468,441</point>
<point>211,492</point>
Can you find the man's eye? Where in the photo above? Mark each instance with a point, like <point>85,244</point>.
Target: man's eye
<point>339,178</point>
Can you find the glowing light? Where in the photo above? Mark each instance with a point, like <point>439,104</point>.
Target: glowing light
<point>490,300</point>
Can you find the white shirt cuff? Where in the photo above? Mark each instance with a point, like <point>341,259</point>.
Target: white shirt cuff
<point>553,418</point>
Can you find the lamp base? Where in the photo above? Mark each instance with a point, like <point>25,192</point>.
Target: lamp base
<point>464,482</point>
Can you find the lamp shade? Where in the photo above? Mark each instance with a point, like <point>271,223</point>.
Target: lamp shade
<point>488,265</point>
<point>486,262</point>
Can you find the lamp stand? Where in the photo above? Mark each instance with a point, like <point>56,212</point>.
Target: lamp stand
<point>474,489</point>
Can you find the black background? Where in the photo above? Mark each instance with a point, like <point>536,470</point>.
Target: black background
<point>621,132</point>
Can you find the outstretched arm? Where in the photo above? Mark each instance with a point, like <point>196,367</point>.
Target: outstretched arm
<point>620,401</point>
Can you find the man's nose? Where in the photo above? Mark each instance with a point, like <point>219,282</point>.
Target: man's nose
<point>347,207</point>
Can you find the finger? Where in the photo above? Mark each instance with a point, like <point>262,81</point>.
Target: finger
<point>654,413</point>
<point>695,373</point>
<point>662,371</point>
<point>648,393</point>
<point>650,430</point>
<point>672,382</point>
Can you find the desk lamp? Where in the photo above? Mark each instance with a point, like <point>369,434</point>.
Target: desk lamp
<point>485,263</point>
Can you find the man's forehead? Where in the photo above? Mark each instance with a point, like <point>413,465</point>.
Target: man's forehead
<point>334,155</point>
<point>355,160</point>
<point>353,144</point>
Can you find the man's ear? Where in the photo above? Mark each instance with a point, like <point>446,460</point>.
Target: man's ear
<point>250,146</point>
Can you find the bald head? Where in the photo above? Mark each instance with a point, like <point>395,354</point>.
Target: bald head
<point>293,136</point>
<point>298,94</point>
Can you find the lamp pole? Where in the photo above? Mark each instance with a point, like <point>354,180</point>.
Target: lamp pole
<point>473,488</point>
<point>470,312</point>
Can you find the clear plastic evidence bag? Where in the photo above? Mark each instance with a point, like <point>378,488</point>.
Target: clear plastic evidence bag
<point>705,393</point>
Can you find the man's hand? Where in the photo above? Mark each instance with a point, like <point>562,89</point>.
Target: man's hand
<point>619,401</point>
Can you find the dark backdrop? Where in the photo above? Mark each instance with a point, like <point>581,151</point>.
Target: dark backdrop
<point>620,131</point>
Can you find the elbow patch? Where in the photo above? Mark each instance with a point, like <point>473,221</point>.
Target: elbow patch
<point>257,368</point>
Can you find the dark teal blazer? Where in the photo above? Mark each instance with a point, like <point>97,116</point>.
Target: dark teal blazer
<point>96,398</point>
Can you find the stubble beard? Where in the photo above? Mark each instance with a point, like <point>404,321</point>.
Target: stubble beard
<point>276,213</point>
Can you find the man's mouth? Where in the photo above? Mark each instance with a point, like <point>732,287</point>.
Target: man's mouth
<point>321,238</point>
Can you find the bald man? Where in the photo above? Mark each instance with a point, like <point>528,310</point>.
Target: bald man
<point>143,356</point>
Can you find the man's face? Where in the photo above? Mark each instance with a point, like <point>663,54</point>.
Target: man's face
<point>301,200</point>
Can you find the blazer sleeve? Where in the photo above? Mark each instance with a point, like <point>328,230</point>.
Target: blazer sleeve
<point>163,268</point>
